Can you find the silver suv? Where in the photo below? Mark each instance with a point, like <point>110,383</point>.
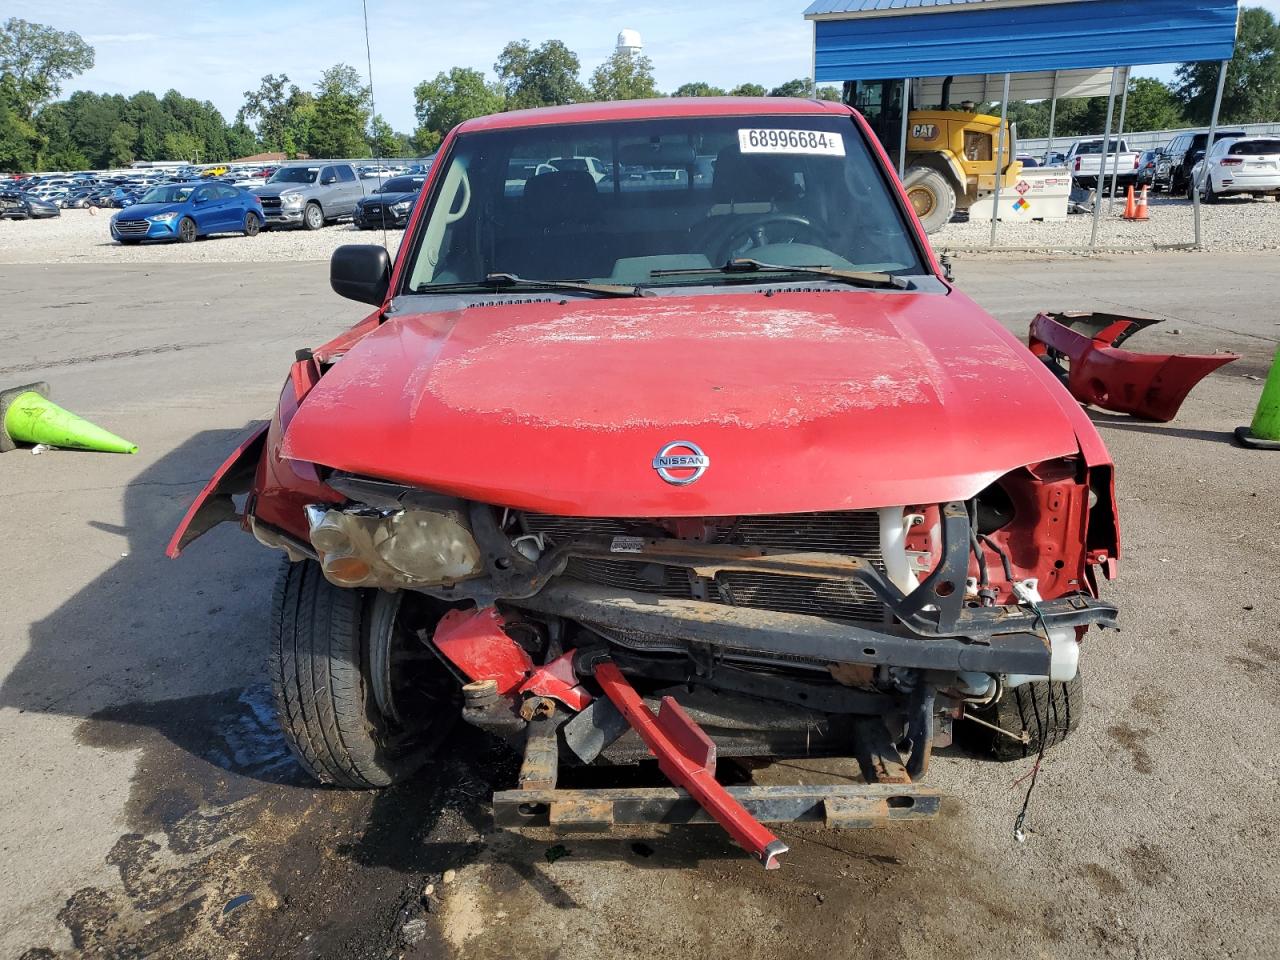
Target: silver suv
<point>310,194</point>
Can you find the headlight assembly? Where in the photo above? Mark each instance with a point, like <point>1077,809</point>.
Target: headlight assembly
<point>401,207</point>
<point>165,217</point>
<point>292,200</point>
<point>360,547</point>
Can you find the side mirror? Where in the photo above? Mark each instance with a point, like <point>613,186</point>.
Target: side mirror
<point>324,181</point>
<point>361,272</point>
<point>200,199</point>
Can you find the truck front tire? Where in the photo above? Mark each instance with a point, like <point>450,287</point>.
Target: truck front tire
<point>1042,708</point>
<point>327,644</point>
<point>931,196</point>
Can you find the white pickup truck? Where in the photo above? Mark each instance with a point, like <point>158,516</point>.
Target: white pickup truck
<point>1085,158</point>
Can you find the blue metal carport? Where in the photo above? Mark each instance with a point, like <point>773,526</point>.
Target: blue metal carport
<point>911,39</point>
<point>875,39</point>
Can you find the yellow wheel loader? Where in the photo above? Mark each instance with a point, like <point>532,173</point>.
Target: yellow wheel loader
<point>951,154</point>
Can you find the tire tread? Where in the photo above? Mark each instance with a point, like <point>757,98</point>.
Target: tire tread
<point>317,641</point>
<point>1049,706</point>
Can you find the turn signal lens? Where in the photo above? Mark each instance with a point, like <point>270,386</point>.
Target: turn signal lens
<point>345,570</point>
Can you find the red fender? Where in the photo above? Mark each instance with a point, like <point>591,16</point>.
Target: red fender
<point>213,504</point>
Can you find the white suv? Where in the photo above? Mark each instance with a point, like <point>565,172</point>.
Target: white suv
<point>1242,165</point>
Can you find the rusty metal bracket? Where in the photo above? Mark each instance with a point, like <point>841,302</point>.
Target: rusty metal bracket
<point>687,756</point>
<point>1148,385</point>
<point>852,806</point>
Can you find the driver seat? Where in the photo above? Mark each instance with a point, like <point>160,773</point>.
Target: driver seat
<point>750,184</point>
<point>743,188</point>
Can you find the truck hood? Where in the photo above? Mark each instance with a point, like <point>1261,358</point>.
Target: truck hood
<point>278,189</point>
<point>824,400</point>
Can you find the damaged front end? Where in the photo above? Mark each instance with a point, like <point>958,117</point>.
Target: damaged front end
<point>863,632</point>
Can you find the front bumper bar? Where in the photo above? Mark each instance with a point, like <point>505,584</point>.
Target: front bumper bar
<point>747,630</point>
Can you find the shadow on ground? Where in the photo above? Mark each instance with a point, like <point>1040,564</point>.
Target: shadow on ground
<point>227,845</point>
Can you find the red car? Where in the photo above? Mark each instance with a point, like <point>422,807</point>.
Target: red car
<point>712,464</point>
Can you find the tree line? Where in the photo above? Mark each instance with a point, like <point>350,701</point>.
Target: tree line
<point>335,118</point>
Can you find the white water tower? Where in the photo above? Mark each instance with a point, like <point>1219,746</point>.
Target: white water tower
<point>629,42</point>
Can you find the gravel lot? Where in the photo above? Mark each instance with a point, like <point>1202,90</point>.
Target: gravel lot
<point>1241,224</point>
<point>79,236</point>
<point>150,794</point>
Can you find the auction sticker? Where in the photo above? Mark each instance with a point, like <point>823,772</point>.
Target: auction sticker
<point>773,140</point>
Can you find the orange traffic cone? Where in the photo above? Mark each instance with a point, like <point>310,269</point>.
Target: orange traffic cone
<point>1130,211</point>
<point>1141,212</point>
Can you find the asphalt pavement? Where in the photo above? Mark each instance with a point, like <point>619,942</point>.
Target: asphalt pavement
<point>148,807</point>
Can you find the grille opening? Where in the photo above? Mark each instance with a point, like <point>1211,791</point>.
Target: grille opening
<point>848,533</point>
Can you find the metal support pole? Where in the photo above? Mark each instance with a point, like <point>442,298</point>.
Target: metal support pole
<point>1102,166</point>
<point>995,202</point>
<point>1208,146</point>
<point>902,144</point>
<point>813,61</point>
<point>1053,113</point>
<point>1115,164</point>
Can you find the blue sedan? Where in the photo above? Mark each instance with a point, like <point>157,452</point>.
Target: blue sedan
<point>184,211</point>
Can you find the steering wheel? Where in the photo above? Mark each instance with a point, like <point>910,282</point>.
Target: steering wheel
<point>742,237</point>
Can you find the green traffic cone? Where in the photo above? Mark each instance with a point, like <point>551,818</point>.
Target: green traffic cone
<point>28,416</point>
<point>1264,432</point>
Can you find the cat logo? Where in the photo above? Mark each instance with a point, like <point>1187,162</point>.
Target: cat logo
<point>924,131</point>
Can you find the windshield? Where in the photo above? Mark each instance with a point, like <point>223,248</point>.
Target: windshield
<point>173,193</point>
<point>1255,148</point>
<point>1117,146</point>
<point>618,202</point>
<point>403,185</point>
<point>295,175</point>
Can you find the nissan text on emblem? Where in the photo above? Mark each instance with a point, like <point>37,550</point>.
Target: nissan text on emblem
<point>681,462</point>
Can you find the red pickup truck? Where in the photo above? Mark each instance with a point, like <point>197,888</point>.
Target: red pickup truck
<point>632,466</point>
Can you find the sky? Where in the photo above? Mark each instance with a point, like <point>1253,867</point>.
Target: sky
<point>217,50</point>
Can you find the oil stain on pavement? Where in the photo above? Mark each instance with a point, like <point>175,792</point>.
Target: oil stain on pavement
<point>232,851</point>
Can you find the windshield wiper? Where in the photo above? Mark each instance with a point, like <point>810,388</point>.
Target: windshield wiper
<point>857,278</point>
<point>505,281</point>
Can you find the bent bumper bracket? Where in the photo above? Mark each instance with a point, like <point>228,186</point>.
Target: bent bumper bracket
<point>687,757</point>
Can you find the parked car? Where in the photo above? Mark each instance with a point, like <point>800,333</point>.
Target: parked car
<point>1054,158</point>
<point>16,205</point>
<point>389,205</point>
<point>1027,160</point>
<point>1085,161</point>
<point>1147,162</point>
<point>594,445</point>
<point>1173,172</point>
<point>185,211</point>
<point>310,195</point>
<point>1250,165</point>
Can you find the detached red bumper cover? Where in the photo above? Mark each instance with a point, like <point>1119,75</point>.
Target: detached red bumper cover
<point>1147,385</point>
